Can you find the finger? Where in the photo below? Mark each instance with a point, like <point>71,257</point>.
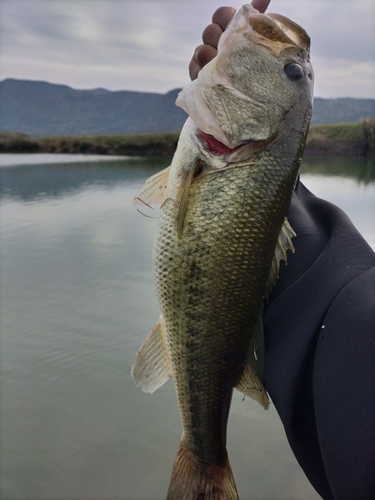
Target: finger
<point>261,5</point>
<point>211,35</point>
<point>194,69</point>
<point>222,16</point>
<point>202,55</point>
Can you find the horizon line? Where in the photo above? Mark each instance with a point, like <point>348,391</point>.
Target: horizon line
<point>144,91</point>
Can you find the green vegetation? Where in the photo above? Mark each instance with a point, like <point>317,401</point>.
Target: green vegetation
<point>130,144</point>
<point>346,139</point>
<point>342,139</point>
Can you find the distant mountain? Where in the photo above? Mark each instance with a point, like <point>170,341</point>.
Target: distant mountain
<point>342,110</point>
<point>44,109</point>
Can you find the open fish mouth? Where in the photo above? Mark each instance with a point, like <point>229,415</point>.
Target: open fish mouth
<point>216,148</point>
<point>232,102</point>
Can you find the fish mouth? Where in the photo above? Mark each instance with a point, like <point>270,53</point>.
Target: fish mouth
<point>217,148</point>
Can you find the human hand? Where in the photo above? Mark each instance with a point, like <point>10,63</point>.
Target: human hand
<point>212,33</point>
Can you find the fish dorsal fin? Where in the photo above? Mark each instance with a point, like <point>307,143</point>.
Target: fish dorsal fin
<point>251,381</point>
<point>183,195</point>
<point>284,243</point>
<point>153,192</point>
<point>152,366</point>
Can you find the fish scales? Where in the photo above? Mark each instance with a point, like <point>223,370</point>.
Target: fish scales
<point>221,235</point>
<point>218,271</point>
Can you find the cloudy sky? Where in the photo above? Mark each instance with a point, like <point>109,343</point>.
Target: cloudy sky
<point>146,44</point>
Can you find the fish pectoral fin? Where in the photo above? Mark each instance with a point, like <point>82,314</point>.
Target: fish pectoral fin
<point>152,366</point>
<point>153,192</point>
<point>251,380</point>
<point>284,243</point>
<point>183,195</point>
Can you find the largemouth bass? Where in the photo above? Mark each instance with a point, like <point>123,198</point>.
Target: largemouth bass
<point>221,235</point>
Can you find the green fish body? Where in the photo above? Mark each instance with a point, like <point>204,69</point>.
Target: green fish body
<point>221,235</point>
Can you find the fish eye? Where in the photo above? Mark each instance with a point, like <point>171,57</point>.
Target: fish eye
<point>293,71</point>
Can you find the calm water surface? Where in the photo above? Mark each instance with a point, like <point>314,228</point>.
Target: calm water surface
<point>77,300</point>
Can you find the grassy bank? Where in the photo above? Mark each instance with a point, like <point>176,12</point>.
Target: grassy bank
<point>342,139</point>
<point>129,144</point>
<point>348,139</point>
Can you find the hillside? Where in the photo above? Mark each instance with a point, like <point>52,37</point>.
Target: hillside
<point>42,109</point>
<point>343,110</point>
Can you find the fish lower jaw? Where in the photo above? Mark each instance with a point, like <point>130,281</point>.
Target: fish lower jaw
<point>216,148</point>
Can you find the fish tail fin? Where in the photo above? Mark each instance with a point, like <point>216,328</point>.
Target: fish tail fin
<point>193,479</point>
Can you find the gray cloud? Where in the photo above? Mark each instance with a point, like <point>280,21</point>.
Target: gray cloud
<point>146,44</point>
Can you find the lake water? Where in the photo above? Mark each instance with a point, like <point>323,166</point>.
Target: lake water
<point>77,300</point>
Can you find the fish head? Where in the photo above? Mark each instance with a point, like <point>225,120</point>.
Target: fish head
<point>260,80</point>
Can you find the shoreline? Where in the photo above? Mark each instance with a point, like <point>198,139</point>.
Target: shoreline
<point>343,139</point>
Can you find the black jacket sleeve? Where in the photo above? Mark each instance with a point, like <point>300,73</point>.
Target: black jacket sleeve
<point>320,350</point>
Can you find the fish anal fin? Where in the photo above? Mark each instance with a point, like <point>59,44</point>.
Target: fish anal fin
<point>284,243</point>
<point>251,380</point>
<point>153,192</point>
<point>193,478</point>
<point>152,366</point>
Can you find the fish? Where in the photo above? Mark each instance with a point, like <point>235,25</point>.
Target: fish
<point>221,234</point>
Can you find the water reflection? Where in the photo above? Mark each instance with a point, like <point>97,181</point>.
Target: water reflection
<point>53,179</point>
<point>77,300</point>
<point>361,169</point>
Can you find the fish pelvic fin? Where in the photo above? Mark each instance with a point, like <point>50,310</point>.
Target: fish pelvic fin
<point>193,479</point>
<point>284,243</point>
<point>153,192</point>
<point>152,366</point>
<point>251,380</point>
